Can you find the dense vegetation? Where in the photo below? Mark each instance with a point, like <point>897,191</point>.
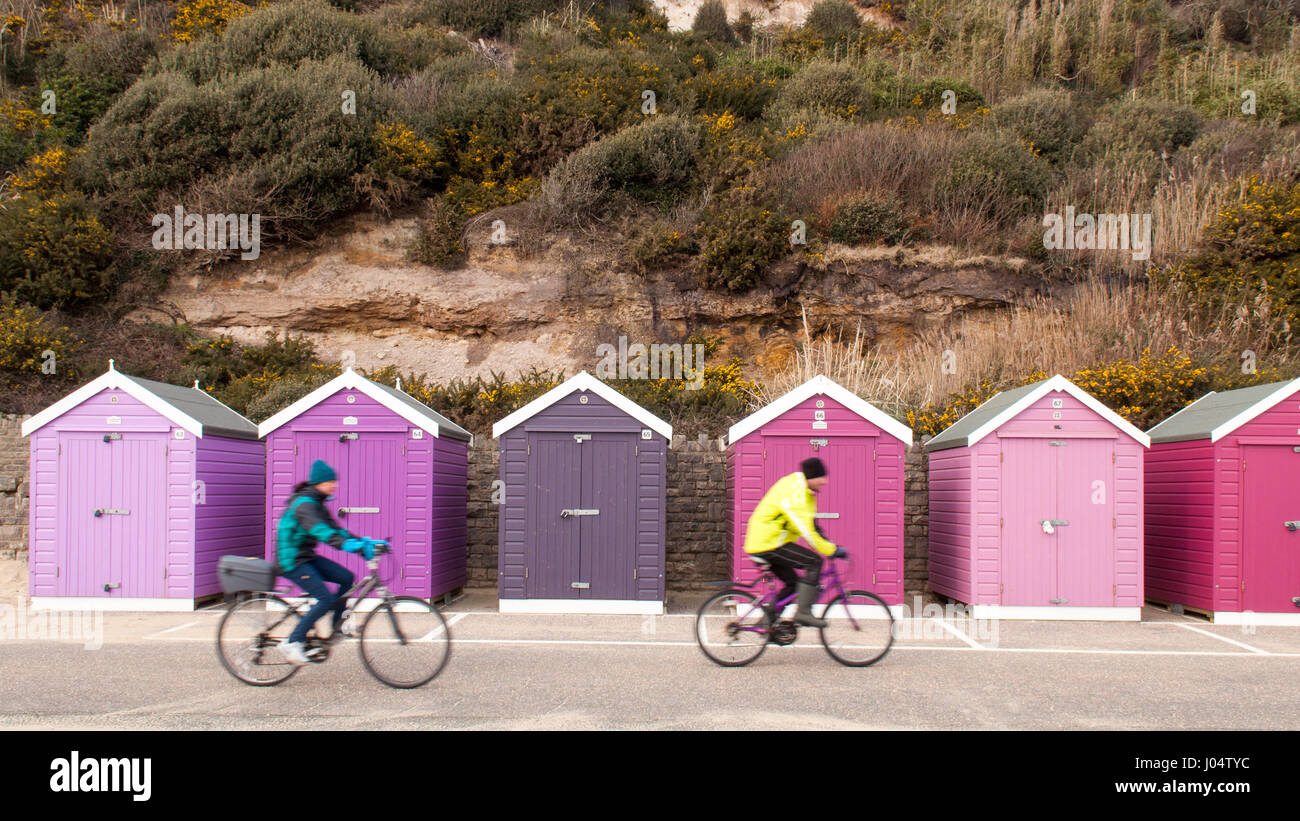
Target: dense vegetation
<point>914,123</point>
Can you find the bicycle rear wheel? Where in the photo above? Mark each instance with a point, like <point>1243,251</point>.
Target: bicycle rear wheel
<point>405,642</point>
<point>731,628</point>
<point>249,638</point>
<point>859,628</point>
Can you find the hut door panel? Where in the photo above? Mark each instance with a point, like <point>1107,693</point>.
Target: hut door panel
<point>554,484</point>
<point>124,547</point>
<point>1270,551</point>
<point>608,539</point>
<point>1085,548</point>
<point>308,447</point>
<point>371,501</point>
<point>1029,495</point>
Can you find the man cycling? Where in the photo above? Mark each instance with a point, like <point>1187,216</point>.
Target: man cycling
<point>786,513</point>
<point>305,523</point>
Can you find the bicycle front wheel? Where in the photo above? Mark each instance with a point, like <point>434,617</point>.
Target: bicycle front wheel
<point>249,639</point>
<point>731,628</point>
<point>859,628</point>
<point>405,642</point>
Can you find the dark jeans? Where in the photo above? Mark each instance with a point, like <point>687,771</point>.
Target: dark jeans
<point>788,558</point>
<point>311,577</point>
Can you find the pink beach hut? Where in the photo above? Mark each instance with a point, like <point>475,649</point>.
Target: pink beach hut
<point>1223,506</point>
<point>138,488</point>
<point>860,509</point>
<point>1036,507</point>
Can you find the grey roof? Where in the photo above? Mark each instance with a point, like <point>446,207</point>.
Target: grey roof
<point>1199,419</point>
<point>446,427</point>
<point>956,434</point>
<point>216,418</point>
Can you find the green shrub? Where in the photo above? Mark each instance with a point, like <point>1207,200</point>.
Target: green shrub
<point>269,141</point>
<point>744,90</point>
<point>437,240</point>
<point>711,22</point>
<point>32,346</point>
<point>1142,126</point>
<point>833,88</point>
<point>930,94</point>
<point>1251,254</point>
<point>1050,120</point>
<point>741,233</point>
<point>868,218</point>
<point>659,245</point>
<point>290,33</point>
<point>53,251</point>
<point>650,161</point>
<point>487,18</point>
<point>997,174</point>
<point>833,19</point>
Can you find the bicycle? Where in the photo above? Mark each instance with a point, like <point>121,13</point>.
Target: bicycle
<point>733,629</point>
<point>403,633</point>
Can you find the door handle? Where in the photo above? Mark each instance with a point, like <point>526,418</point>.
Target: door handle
<point>113,586</point>
<point>1292,525</point>
<point>578,511</point>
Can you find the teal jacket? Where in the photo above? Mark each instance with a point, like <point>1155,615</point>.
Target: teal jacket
<point>304,525</point>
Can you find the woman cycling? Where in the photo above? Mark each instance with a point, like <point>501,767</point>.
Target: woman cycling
<point>304,524</point>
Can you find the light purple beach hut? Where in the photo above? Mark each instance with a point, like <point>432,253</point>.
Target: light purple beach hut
<point>138,488</point>
<point>402,476</point>
<point>1223,506</point>
<point>582,516</point>
<point>861,508</point>
<point>1036,507</point>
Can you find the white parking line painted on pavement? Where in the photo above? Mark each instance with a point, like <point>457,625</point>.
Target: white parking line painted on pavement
<point>174,629</point>
<point>455,619</point>
<point>958,633</point>
<point>1228,640</point>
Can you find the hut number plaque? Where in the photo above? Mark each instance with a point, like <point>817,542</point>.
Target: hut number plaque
<point>349,420</point>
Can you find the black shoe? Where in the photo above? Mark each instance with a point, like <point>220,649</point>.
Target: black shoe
<point>807,595</point>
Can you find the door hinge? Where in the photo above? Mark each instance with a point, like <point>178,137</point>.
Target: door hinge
<point>403,573</point>
<point>1112,522</point>
<point>1243,466</point>
<point>1000,456</point>
<point>525,572</point>
<point>636,450</point>
<point>60,453</point>
<point>57,571</point>
<point>295,450</point>
<point>764,454</point>
<point>1243,585</point>
<point>873,454</point>
<point>634,573</point>
<point>1112,457</point>
<point>1001,521</point>
<point>403,450</point>
<point>873,579</point>
<point>528,451</point>
<point>164,571</point>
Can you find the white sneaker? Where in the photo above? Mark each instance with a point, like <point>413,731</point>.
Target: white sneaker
<point>296,652</point>
<point>350,628</point>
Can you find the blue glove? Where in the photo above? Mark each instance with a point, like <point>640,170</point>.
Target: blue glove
<point>840,553</point>
<point>365,547</point>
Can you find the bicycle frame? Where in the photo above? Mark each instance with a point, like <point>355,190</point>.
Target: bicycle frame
<point>829,575</point>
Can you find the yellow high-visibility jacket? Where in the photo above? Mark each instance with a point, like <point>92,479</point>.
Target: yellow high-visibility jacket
<point>785,514</point>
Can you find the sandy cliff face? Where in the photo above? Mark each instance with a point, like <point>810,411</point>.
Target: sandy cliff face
<point>355,295</point>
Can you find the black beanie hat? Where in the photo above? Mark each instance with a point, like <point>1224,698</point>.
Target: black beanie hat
<point>812,468</point>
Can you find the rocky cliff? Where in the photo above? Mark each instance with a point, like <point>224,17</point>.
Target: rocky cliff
<point>355,294</point>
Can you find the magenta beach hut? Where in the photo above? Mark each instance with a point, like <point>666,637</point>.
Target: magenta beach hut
<point>1223,506</point>
<point>861,507</point>
<point>1036,507</point>
<point>138,488</point>
<point>402,471</point>
<point>582,517</point>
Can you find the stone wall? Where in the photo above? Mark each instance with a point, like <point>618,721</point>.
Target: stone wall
<point>14,467</point>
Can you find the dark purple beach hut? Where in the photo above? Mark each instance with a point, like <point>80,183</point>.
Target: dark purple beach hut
<point>582,518</point>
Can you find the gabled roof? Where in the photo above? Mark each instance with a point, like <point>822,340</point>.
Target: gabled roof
<point>1216,415</point>
<point>820,385</point>
<point>1002,407</point>
<point>584,382</point>
<point>400,403</point>
<point>190,408</point>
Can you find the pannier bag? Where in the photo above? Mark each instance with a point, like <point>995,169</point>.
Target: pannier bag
<point>240,573</point>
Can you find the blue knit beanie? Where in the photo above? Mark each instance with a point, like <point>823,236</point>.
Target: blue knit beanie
<point>321,472</point>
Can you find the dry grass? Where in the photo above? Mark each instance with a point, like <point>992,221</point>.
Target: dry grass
<point>1092,324</point>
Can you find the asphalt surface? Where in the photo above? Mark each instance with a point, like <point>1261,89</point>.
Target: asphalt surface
<point>508,671</point>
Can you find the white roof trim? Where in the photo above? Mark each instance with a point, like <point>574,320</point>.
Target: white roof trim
<point>113,380</point>
<point>349,379</point>
<point>584,382</point>
<point>1057,383</point>
<point>820,384</point>
<point>1254,410</point>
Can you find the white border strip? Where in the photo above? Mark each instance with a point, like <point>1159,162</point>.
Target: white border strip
<point>348,380</point>
<point>1057,383</point>
<point>584,382</point>
<point>1242,645</point>
<point>115,380</point>
<point>820,384</point>
<point>1048,613</point>
<point>107,603</point>
<point>1257,619</point>
<point>1254,410</point>
<point>626,607</point>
